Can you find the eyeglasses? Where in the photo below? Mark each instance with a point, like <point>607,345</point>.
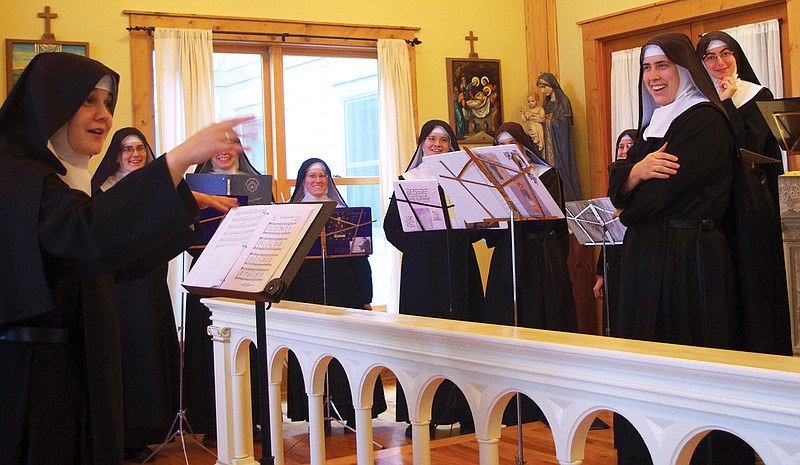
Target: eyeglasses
<point>128,149</point>
<point>434,139</point>
<point>316,176</point>
<point>712,57</point>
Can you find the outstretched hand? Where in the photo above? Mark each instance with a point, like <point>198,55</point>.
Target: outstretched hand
<point>203,145</point>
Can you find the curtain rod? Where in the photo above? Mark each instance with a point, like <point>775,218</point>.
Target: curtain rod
<point>282,35</point>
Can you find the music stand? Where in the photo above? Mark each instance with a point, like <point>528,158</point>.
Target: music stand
<point>593,223</point>
<point>422,206</point>
<point>206,271</point>
<point>497,184</point>
<point>783,119</point>
<point>176,428</point>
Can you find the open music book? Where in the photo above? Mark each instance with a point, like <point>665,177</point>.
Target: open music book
<point>257,249</point>
<point>421,207</point>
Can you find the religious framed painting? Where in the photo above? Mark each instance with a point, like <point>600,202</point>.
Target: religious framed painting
<point>475,99</point>
<point>20,52</point>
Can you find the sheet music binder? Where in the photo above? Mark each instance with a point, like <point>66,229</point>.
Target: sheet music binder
<point>276,287</point>
<point>257,188</point>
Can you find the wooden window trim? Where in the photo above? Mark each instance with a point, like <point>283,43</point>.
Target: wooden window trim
<point>142,65</point>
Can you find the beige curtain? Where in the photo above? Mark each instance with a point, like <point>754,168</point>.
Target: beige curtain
<point>396,134</point>
<point>184,80</point>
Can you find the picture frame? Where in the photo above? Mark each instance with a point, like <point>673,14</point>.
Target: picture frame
<point>20,52</point>
<point>475,99</point>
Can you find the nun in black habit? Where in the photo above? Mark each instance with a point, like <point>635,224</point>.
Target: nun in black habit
<point>674,190</point>
<point>544,289</point>
<point>439,274</point>
<point>758,249</point>
<point>150,352</point>
<point>340,282</point>
<point>228,162</point>
<point>61,398</point>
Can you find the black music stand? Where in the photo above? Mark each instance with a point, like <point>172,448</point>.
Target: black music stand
<point>272,292</point>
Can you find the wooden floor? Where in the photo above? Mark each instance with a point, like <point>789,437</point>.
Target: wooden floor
<point>340,448</point>
<point>447,448</point>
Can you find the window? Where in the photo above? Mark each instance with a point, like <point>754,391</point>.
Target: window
<point>329,108</point>
<point>251,75</point>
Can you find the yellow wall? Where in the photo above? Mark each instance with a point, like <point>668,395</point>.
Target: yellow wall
<point>571,78</point>
<point>499,26</point>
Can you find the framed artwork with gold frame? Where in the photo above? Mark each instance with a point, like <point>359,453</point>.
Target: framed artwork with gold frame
<point>475,99</point>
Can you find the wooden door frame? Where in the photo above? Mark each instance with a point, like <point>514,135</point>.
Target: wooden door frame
<point>597,32</point>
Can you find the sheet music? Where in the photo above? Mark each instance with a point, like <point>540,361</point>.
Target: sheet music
<point>252,246</point>
<point>520,180</point>
<point>478,195</point>
<point>474,197</point>
<point>587,217</point>
<point>419,205</point>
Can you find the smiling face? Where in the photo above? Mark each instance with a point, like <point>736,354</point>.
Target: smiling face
<point>435,144</point>
<point>224,161</point>
<point>719,62</point>
<point>132,154</point>
<point>316,182</point>
<point>661,78</point>
<point>622,148</point>
<point>89,126</point>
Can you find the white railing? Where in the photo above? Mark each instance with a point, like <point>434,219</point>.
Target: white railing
<point>672,394</point>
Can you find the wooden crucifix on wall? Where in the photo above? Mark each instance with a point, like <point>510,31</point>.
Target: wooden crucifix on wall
<point>47,36</point>
<point>472,39</point>
<point>20,52</point>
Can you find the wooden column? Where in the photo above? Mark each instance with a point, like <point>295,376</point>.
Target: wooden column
<point>541,43</point>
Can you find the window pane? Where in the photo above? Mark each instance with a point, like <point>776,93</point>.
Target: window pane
<point>331,112</point>
<point>238,91</point>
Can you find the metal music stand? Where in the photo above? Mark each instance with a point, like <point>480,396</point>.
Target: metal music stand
<point>176,428</point>
<point>593,223</point>
<point>272,293</point>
